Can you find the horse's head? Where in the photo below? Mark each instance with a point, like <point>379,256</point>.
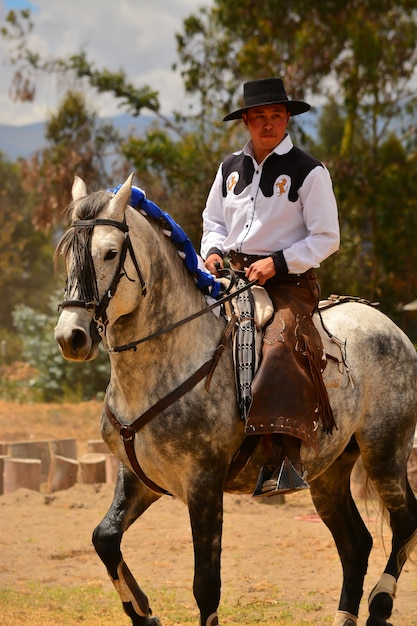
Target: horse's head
<point>99,260</point>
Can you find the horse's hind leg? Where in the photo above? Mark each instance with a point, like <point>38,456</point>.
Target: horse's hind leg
<point>334,503</point>
<point>130,500</point>
<point>391,483</point>
<point>205,507</point>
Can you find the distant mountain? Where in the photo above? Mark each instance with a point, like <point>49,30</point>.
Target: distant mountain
<point>22,141</point>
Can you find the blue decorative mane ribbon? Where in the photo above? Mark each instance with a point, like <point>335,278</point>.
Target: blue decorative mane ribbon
<point>204,280</point>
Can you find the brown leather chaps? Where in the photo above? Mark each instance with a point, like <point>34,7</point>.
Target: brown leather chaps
<point>288,391</point>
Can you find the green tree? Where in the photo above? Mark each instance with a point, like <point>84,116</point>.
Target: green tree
<point>177,172</point>
<point>11,194</point>
<point>33,194</point>
<point>358,58</point>
<point>29,65</point>
<point>375,191</point>
<point>355,58</point>
<point>25,253</point>
<point>363,53</point>
<point>77,144</point>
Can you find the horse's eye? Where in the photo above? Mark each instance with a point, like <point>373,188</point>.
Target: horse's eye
<point>110,255</point>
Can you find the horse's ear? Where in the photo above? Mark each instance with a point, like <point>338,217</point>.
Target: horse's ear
<point>118,204</point>
<point>79,188</point>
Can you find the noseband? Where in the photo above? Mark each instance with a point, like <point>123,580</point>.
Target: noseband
<point>99,309</point>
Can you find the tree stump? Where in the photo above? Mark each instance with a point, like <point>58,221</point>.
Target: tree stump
<point>64,447</point>
<point>4,448</point>
<point>97,445</point>
<point>63,474</point>
<point>21,473</point>
<point>112,468</point>
<point>2,457</point>
<point>92,468</point>
<point>33,450</point>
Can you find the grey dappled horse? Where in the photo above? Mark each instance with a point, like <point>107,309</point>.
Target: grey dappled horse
<point>126,279</point>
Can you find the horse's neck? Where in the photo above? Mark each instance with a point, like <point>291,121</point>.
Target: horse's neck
<point>142,376</point>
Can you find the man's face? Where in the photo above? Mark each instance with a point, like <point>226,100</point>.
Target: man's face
<point>267,126</point>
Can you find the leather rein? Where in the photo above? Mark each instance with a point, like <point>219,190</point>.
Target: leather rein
<point>97,328</point>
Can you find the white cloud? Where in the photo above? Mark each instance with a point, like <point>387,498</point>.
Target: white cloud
<point>137,36</point>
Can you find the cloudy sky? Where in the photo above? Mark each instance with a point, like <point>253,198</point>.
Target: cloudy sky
<point>136,35</point>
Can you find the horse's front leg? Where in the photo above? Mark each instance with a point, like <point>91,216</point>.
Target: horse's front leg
<point>205,507</point>
<point>131,499</point>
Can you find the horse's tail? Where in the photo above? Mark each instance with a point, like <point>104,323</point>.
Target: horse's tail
<point>410,546</point>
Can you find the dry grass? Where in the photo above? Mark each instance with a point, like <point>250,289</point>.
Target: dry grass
<point>38,421</point>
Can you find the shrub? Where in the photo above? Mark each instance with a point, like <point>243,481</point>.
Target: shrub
<point>52,377</point>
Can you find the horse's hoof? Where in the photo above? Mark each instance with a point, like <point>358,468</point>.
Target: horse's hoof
<point>380,610</point>
<point>150,621</point>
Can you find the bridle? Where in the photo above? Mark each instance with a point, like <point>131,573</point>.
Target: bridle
<point>99,309</point>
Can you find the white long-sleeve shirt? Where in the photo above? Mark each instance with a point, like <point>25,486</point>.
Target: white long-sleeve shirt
<point>286,203</point>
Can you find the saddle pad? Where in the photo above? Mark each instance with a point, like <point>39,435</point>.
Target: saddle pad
<point>244,348</point>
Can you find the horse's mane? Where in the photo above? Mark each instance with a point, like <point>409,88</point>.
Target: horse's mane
<point>88,207</point>
<point>85,208</point>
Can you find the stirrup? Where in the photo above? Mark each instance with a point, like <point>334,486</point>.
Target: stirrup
<point>283,479</point>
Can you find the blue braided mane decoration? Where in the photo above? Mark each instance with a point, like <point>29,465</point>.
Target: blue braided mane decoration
<point>203,279</point>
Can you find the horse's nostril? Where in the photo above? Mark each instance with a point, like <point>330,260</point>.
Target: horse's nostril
<point>78,340</point>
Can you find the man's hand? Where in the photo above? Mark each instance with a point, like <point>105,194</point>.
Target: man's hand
<point>261,270</point>
<point>210,261</point>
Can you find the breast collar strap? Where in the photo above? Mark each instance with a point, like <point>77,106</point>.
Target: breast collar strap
<point>128,432</point>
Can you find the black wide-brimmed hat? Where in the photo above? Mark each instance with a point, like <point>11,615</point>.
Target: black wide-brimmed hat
<point>257,93</point>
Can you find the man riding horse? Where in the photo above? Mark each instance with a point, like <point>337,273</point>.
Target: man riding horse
<point>272,211</point>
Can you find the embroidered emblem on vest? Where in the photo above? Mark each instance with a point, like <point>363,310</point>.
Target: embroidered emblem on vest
<point>232,181</point>
<point>282,185</point>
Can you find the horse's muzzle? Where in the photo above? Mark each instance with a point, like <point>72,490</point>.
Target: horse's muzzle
<point>77,336</point>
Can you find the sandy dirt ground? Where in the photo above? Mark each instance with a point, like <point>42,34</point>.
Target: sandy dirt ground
<point>270,551</point>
